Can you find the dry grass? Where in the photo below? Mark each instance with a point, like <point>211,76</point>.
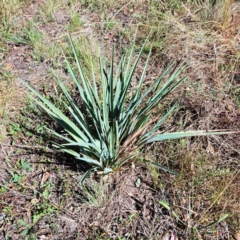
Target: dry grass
<point>207,38</point>
<point>10,103</point>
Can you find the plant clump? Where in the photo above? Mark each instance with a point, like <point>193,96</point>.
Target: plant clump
<point>121,116</point>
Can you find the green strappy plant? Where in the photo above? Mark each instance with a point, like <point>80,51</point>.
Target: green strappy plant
<point>121,115</point>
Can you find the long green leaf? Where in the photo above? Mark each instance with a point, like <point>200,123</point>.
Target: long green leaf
<point>156,126</point>
<point>177,135</point>
<point>85,82</point>
<point>85,175</point>
<point>56,114</point>
<point>161,167</point>
<point>129,75</point>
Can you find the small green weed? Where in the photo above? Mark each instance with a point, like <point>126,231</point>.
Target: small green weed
<point>8,11</point>
<point>5,75</point>
<point>48,8</point>
<point>193,228</point>
<point>96,195</point>
<point>26,230</point>
<point>92,5</point>
<point>76,23</point>
<point>41,207</point>
<point>24,165</point>
<point>16,178</point>
<point>128,237</point>
<point>8,210</point>
<point>14,129</point>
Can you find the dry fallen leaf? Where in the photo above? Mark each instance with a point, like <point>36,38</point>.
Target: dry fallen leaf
<point>125,11</point>
<point>9,66</point>
<point>236,235</point>
<point>34,201</point>
<point>45,177</point>
<point>108,37</point>
<point>43,237</point>
<point>28,59</point>
<point>211,149</point>
<point>166,236</point>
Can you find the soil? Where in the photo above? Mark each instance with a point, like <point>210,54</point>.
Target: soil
<point>122,208</point>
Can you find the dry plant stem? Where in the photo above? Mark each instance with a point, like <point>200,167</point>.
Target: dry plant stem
<point>225,144</point>
<point>120,11</point>
<point>226,11</point>
<point>204,213</point>
<point>134,137</point>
